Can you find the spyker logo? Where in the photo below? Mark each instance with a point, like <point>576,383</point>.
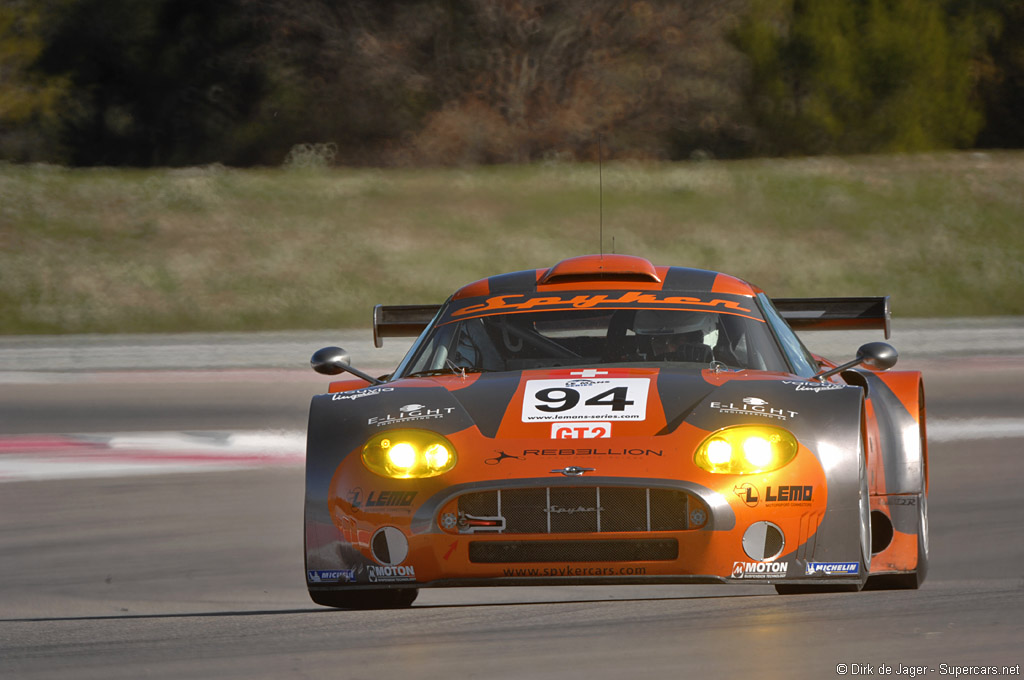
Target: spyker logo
<point>573,471</point>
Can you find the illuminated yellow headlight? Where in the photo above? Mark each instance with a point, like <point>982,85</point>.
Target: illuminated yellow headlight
<point>746,449</point>
<point>409,454</point>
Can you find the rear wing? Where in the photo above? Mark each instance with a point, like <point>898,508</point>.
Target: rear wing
<point>836,314</point>
<point>802,314</point>
<point>400,321</point>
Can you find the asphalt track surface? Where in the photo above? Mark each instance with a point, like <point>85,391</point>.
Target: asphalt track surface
<point>200,575</point>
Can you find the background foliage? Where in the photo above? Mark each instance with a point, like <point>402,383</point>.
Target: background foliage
<point>455,82</point>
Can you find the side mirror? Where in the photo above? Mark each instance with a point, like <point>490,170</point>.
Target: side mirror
<point>330,360</point>
<point>335,360</point>
<point>880,356</point>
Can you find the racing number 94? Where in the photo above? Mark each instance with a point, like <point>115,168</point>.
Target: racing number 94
<point>565,398</point>
<point>615,399</point>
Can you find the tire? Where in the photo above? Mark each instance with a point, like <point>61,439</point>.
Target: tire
<point>398,598</point>
<point>864,519</point>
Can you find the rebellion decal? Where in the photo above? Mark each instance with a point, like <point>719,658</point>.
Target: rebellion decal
<point>526,453</point>
<point>520,303</point>
<point>555,401</point>
<point>754,406</point>
<point>592,452</point>
<point>833,568</point>
<point>359,394</point>
<point>581,431</point>
<point>410,413</point>
<point>332,576</point>
<point>502,456</point>
<point>749,570</point>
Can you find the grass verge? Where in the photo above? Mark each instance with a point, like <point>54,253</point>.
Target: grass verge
<point>211,249</point>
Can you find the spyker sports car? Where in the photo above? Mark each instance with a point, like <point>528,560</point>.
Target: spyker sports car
<point>608,421</point>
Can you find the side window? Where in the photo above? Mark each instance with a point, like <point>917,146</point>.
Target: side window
<point>799,358</point>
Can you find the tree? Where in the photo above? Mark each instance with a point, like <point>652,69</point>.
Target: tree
<point>468,81</point>
<point>1001,72</point>
<point>852,76</point>
<point>163,82</point>
<point>30,102</point>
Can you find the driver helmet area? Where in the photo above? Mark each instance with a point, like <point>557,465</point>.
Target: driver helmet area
<point>676,335</point>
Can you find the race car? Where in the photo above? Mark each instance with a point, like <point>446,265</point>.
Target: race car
<point>609,421</point>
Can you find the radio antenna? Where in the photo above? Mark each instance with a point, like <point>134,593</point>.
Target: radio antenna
<point>600,194</point>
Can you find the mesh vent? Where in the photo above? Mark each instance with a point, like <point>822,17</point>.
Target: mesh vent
<point>490,552</point>
<point>573,510</point>
<point>582,509</point>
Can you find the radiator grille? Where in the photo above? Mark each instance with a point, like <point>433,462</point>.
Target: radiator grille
<point>490,552</point>
<point>576,509</point>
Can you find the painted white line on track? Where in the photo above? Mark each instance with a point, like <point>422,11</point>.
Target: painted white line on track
<point>975,428</point>
<point>37,457</point>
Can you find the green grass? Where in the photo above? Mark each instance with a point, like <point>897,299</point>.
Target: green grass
<point>218,249</point>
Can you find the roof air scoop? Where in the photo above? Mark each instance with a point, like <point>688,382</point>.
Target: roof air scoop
<point>603,268</point>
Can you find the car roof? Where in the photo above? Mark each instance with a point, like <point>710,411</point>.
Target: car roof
<point>607,272</point>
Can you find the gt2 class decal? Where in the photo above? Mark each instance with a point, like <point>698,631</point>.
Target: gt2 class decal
<point>581,430</point>
<point>754,406</point>
<point>613,399</point>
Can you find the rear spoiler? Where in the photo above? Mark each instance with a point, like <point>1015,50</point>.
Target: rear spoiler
<point>836,314</point>
<point>802,314</point>
<point>400,321</point>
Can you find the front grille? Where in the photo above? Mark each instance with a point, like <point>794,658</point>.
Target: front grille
<point>575,509</point>
<point>490,552</point>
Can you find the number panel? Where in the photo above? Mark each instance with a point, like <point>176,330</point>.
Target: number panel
<point>569,400</point>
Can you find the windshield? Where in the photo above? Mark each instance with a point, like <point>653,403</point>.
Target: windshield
<point>510,339</point>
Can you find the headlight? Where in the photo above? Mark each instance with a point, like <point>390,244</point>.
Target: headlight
<point>746,449</point>
<point>409,454</point>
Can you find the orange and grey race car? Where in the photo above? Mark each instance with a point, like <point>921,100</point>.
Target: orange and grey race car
<point>608,421</point>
